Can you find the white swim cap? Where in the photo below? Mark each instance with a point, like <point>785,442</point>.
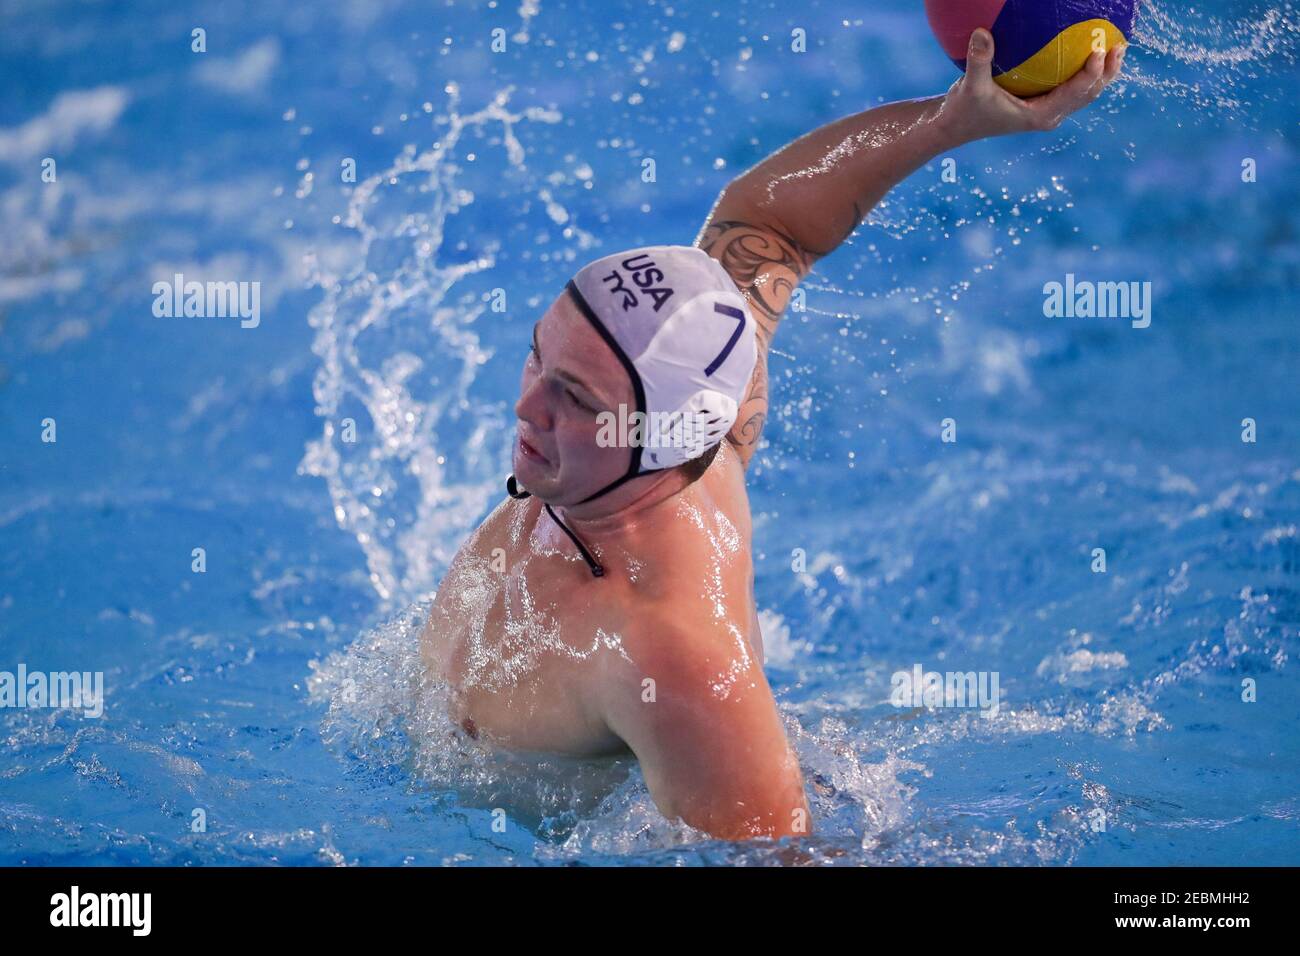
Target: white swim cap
<point>683,331</point>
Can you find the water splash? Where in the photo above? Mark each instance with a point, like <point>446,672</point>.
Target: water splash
<point>384,712</point>
<point>1214,42</point>
<point>1224,57</point>
<point>409,458</point>
<point>381,711</point>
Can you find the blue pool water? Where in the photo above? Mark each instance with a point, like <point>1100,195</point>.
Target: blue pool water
<point>274,691</point>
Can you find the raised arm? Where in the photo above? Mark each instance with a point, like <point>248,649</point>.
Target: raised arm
<point>774,221</point>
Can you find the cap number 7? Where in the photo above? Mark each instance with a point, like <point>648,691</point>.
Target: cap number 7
<point>731,342</point>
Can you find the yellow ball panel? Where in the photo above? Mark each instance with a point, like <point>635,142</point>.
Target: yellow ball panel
<point>1063,57</point>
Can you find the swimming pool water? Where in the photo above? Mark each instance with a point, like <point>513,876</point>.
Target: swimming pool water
<point>275,691</point>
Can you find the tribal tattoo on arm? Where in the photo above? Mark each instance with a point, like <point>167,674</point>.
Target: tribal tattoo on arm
<point>766,265</point>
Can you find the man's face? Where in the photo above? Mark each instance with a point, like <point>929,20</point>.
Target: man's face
<point>569,378</point>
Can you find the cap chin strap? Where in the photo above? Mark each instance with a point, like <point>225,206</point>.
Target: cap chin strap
<point>597,569</point>
<point>634,470</point>
<point>638,388</point>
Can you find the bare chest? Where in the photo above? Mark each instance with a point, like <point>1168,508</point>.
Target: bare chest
<point>521,646</point>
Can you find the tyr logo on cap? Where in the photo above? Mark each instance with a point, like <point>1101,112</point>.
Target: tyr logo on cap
<point>646,277</point>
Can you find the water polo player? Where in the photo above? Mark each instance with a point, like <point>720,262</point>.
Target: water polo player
<point>607,603</point>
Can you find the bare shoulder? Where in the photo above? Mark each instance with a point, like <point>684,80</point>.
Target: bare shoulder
<point>689,659</point>
<point>693,705</point>
<point>693,598</point>
<point>697,550</point>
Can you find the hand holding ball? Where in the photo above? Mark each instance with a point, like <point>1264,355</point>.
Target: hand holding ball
<point>1038,44</point>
